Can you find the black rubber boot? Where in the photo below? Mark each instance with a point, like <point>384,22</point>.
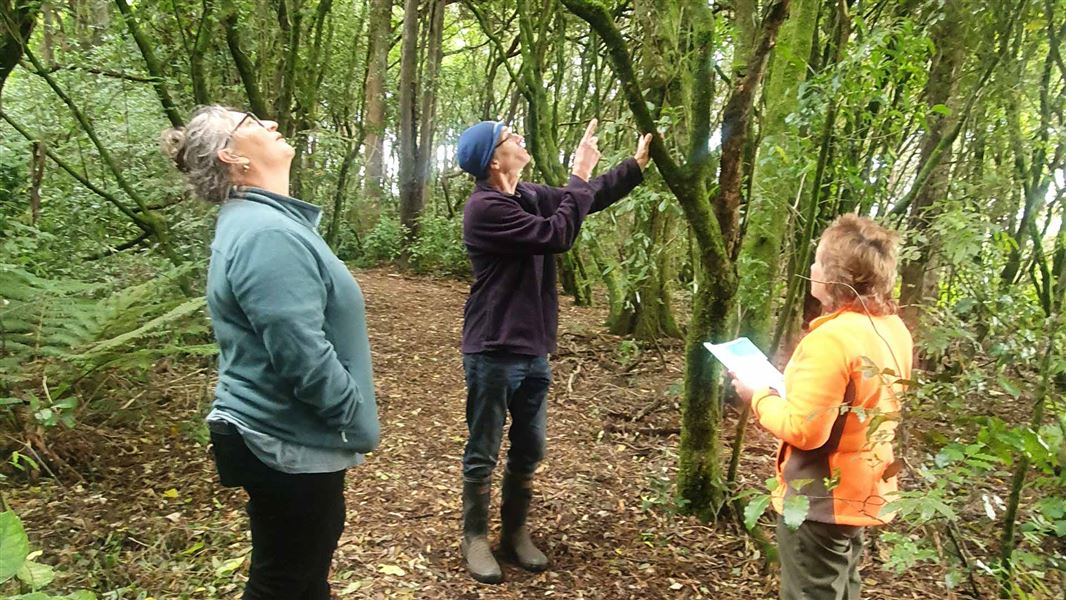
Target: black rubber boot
<point>517,493</point>
<point>477,554</point>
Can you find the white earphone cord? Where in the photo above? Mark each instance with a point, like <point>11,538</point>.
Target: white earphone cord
<point>866,311</point>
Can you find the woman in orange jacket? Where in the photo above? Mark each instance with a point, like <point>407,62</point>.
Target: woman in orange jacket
<point>837,415</point>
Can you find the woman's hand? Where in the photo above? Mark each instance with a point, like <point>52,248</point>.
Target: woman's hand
<point>744,393</point>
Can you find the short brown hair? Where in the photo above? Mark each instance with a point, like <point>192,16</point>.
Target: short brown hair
<point>862,255</point>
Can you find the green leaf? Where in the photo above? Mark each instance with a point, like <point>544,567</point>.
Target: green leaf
<point>45,416</point>
<point>831,483</point>
<point>230,566</point>
<point>1009,387</point>
<point>66,403</point>
<point>1053,508</point>
<point>754,510</point>
<point>35,574</point>
<point>940,109</point>
<point>796,509</point>
<point>14,547</point>
<point>193,549</point>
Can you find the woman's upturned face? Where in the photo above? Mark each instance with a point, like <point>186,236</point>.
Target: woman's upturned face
<point>258,141</point>
<point>818,288</point>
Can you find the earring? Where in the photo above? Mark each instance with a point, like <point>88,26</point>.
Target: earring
<point>245,167</point>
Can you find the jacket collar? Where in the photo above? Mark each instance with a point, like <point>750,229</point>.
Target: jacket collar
<point>306,214</point>
<point>483,186</point>
<point>822,320</point>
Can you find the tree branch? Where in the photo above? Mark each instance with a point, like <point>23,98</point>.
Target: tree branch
<point>244,65</point>
<point>102,72</point>
<point>487,29</point>
<point>700,152</point>
<point>90,131</point>
<point>601,22</point>
<point>736,121</point>
<point>133,216</point>
<point>137,241</point>
<point>153,64</point>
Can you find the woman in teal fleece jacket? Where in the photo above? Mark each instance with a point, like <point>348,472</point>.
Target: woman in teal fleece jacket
<point>294,406</point>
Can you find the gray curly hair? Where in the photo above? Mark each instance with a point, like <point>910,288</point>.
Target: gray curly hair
<point>194,149</point>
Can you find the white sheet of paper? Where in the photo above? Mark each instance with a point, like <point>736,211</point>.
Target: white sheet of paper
<point>751,366</point>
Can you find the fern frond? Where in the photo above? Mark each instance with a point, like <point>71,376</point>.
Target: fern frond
<point>178,312</point>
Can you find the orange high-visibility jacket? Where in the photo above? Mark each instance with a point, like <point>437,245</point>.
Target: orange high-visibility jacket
<point>833,395</point>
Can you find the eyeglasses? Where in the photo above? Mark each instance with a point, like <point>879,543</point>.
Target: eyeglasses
<point>243,120</point>
<point>509,136</point>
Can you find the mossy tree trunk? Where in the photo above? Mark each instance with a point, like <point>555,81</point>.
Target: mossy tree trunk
<point>940,91</point>
<point>776,177</point>
<point>151,62</point>
<point>379,33</point>
<point>245,67</point>
<point>17,18</point>
<point>712,213</point>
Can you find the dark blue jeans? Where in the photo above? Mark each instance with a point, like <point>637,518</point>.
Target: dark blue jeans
<point>498,383</point>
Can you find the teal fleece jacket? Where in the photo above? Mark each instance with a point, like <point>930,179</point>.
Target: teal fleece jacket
<point>290,321</point>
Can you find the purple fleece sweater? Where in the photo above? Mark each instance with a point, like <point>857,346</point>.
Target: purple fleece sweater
<point>513,304</point>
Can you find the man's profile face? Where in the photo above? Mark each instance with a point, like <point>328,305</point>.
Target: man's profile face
<point>511,155</point>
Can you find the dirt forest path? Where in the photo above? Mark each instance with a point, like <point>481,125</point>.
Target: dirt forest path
<point>152,517</point>
<point>404,503</point>
<point>602,495</point>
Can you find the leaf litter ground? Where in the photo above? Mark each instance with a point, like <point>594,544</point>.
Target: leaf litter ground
<point>149,519</point>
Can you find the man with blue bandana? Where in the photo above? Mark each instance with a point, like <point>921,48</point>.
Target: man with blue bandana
<point>512,230</point>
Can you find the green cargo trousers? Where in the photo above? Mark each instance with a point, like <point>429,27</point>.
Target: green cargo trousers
<point>819,561</point>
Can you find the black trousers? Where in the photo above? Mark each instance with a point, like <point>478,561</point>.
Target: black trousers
<point>296,521</point>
